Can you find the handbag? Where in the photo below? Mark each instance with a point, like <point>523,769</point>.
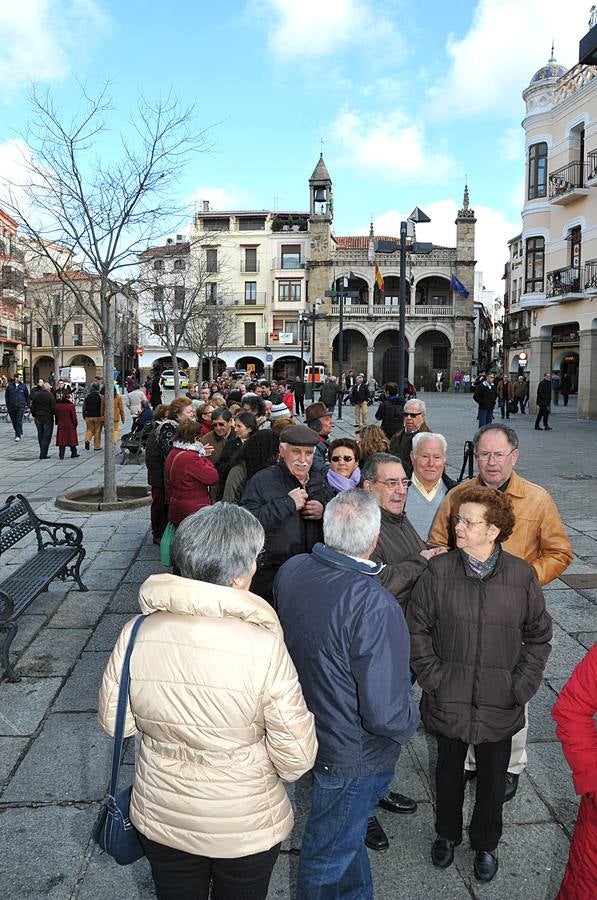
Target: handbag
<point>113,830</point>
<point>166,544</point>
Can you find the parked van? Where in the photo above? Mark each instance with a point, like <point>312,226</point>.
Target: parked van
<point>318,376</point>
<point>74,375</point>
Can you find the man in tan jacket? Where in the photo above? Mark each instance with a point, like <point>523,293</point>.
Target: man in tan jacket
<point>538,537</point>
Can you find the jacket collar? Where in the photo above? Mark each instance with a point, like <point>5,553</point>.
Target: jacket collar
<point>340,561</point>
<point>184,596</point>
<point>516,485</point>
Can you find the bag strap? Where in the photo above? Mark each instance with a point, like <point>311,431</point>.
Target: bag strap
<point>121,710</point>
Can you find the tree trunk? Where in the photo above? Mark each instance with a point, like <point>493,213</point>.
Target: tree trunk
<point>174,358</point>
<point>56,355</point>
<point>109,459</point>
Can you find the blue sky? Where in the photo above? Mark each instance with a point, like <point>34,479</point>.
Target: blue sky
<point>408,98</point>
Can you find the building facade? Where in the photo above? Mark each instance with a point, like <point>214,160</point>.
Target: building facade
<point>13,332</point>
<point>552,277</point>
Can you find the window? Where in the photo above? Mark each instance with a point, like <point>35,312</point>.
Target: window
<point>291,256</point>
<point>56,335</point>
<point>158,294</point>
<point>211,293</point>
<point>537,171</point>
<point>179,295</point>
<point>289,291</point>
<point>250,259</point>
<point>157,328</point>
<point>287,326</point>
<point>78,334</point>
<point>250,334</point>
<point>251,223</point>
<point>250,293</point>
<point>39,337</point>
<point>216,224</point>
<point>211,261</point>
<point>575,239</point>
<point>179,265</point>
<point>158,265</point>
<point>535,257</point>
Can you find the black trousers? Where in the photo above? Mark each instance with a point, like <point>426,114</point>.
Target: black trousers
<point>44,436</point>
<point>16,414</point>
<point>543,414</point>
<point>485,829</point>
<point>299,404</point>
<point>183,876</point>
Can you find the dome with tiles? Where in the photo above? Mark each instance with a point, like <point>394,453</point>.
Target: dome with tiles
<point>552,70</point>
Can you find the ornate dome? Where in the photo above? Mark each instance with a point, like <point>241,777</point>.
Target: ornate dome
<point>552,70</point>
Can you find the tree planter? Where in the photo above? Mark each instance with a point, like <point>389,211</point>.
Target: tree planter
<point>91,499</point>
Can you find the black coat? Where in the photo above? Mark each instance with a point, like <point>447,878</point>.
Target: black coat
<point>349,643</point>
<point>485,396</point>
<point>390,413</point>
<point>544,393</point>
<point>92,405</point>
<point>359,393</point>
<point>43,405</point>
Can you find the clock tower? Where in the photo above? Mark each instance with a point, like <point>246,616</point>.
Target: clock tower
<point>320,266</point>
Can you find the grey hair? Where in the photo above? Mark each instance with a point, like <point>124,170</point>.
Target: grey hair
<point>511,435</point>
<point>217,544</point>
<point>46,386</point>
<point>351,522</point>
<point>428,436</point>
<point>371,466</point>
<point>420,402</point>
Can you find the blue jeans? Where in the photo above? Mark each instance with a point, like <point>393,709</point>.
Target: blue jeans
<point>333,862</point>
<point>16,414</point>
<point>485,417</point>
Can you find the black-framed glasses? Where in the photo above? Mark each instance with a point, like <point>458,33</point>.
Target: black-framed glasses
<point>412,415</point>
<point>498,455</point>
<point>392,483</point>
<point>344,458</point>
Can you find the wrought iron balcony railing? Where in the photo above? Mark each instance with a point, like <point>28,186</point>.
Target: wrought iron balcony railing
<point>563,281</point>
<point>567,180</point>
<point>591,275</point>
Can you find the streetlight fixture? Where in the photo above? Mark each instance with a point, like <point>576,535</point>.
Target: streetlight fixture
<point>342,295</point>
<point>303,322</point>
<point>312,316</point>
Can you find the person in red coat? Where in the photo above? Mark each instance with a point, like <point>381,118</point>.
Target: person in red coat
<point>574,713</point>
<point>188,473</point>
<point>66,421</point>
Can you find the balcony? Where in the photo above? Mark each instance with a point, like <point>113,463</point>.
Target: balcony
<point>390,312</point>
<point>512,336</point>
<point>288,264</point>
<point>249,267</point>
<point>564,284</point>
<point>12,280</point>
<point>258,300</point>
<point>567,184</point>
<point>570,338</point>
<point>591,276</point>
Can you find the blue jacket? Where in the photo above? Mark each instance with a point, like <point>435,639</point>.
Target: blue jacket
<point>349,642</point>
<point>17,395</point>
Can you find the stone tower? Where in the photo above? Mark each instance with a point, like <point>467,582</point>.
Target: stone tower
<point>321,214</point>
<point>464,270</point>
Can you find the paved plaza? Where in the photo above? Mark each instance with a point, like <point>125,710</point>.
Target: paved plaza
<point>54,760</point>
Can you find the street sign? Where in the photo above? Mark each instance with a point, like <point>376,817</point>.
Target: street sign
<point>269,357</point>
<point>139,351</point>
<point>342,294</point>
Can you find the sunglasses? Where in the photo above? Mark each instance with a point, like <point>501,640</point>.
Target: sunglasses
<point>412,415</point>
<point>345,458</point>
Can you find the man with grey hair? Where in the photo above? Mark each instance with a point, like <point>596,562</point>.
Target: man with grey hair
<point>429,482</point>
<point>349,642</point>
<point>414,423</point>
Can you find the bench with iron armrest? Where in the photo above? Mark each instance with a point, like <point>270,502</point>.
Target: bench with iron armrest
<point>132,445</point>
<point>59,554</point>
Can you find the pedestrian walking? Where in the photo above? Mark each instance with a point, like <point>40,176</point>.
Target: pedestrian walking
<point>485,395</point>
<point>299,396</point>
<point>43,406</point>
<point>565,387</point>
<point>521,394</point>
<point>118,410</point>
<point>556,384</point>
<point>466,382</point>
<point>92,413</point>
<point>390,411</point>
<point>543,403</point>
<point>16,398</point>
<point>360,397</point>
<point>457,381</point>
<point>66,421</point>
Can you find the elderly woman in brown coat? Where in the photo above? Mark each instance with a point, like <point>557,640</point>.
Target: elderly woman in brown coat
<point>479,643</point>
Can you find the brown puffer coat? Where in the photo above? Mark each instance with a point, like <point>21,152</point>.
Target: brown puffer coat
<point>216,697</point>
<point>478,647</point>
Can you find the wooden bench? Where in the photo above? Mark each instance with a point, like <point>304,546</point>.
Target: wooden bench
<point>59,555</point>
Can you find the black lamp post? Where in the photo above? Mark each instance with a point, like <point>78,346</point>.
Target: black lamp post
<point>313,316</point>
<point>342,295</point>
<point>303,320</point>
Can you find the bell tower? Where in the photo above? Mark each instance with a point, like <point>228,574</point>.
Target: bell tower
<point>320,265</point>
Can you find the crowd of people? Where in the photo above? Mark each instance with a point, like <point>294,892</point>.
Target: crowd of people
<point>357,567</point>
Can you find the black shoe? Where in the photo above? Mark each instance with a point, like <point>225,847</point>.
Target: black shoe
<point>486,865</point>
<point>376,838</point>
<point>511,786</point>
<point>538,428</point>
<point>548,428</point>
<point>87,445</point>
<point>469,774</point>
<point>74,455</point>
<point>398,803</point>
<point>442,852</point>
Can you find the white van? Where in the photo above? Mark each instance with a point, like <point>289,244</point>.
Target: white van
<point>74,375</point>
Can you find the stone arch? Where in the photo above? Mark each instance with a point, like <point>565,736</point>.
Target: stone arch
<point>288,366</point>
<point>82,359</point>
<point>419,330</point>
<point>43,366</point>
<point>356,341</point>
<point>433,290</point>
<point>433,351</point>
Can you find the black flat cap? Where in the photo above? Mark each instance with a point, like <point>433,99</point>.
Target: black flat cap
<point>299,435</point>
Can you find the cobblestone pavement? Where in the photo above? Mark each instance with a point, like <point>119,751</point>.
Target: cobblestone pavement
<point>54,759</point>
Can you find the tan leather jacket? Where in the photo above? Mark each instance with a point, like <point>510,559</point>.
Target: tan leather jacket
<point>538,537</point>
<point>216,697</point>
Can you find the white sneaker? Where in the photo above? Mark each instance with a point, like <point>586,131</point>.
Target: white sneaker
<point>17,440</point>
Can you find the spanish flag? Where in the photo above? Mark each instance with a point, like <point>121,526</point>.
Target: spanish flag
<point>379,279</point>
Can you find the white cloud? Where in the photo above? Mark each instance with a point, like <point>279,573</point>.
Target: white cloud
<point>394,146</point>
<point>493,231</point>
<point>15,155</point>
<point>507,42</point>
<point>40,37</point>
<point>227,197</point>
<point>315,29</point>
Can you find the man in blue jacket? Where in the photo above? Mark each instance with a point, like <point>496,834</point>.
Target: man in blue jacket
<point>17,401</point>
<point>350,644</point>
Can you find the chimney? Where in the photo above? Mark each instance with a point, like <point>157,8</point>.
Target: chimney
<point>205,205</point>
<point>179,238</point>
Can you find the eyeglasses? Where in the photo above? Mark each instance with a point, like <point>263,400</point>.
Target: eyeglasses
<point>412,415</point>
<point>498,455</point>
<point>468,523</point>
<point>392,483</point>
<point>345,458</point>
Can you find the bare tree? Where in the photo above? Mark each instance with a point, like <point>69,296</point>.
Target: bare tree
<point>210,333</point>
<point>104,203</point>
<point>53,307</point>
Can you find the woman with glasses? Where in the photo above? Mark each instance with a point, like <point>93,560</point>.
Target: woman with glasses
<point>479,643</point>
<point>344,473</point>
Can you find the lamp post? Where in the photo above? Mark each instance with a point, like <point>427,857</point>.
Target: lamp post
<point>312,317</point>
<point>303,320</point>
<point>342,295</point>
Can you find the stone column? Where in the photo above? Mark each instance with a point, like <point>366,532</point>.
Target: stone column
<point>369,363</point>
<point>411,365</point>
<point>587,374</point>
<point>540,364</point>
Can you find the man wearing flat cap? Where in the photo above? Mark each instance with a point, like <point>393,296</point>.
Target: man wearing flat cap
<point>319,420</point>
<point>288,499</point>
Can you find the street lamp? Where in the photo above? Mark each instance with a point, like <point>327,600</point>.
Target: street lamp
<point>303,321</point>
<point>406,230</point>
<point>342,295</point>
<point>312,317</point>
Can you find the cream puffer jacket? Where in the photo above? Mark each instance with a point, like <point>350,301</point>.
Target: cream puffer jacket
<point>216,697</point>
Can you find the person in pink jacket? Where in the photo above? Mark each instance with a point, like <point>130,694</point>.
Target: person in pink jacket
<point>188,473</point>
<point>574,713</point>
